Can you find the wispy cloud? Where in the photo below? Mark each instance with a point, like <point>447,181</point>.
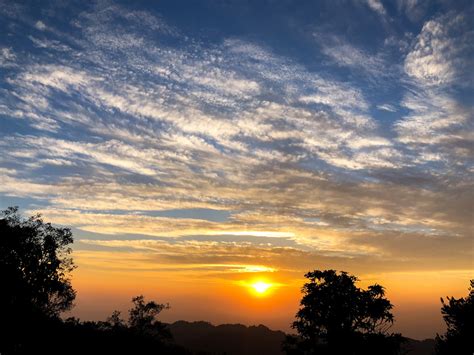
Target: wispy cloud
<point>437,120</point>
<point>345,54</point>
<point>387,107</point>
<point>377,6</point>
<point>127,115</point>
<point>7,57</point>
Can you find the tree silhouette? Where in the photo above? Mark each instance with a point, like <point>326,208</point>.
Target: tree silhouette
<point>142,318</point>
<point>114,321</point>
<point>458,315</point>
<point>34,264</point>
<point>337,317</point>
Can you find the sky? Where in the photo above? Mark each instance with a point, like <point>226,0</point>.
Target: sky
<point>196,147</point>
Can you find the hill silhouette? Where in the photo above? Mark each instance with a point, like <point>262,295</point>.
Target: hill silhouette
<point>419,347</point>
<point>231,339</point>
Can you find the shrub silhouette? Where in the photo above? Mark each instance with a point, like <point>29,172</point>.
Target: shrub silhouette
<point>458,315</point>
<point>336,317</point>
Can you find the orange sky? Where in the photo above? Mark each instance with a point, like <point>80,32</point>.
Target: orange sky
<point>227,297</point>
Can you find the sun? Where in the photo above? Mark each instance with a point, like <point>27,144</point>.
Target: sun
<point>261,287</point>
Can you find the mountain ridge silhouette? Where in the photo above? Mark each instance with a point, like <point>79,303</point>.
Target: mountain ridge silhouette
<point>202,337</point>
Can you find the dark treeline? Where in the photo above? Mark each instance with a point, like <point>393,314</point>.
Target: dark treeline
<point>335,316</point>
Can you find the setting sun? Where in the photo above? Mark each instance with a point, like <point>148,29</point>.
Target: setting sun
<point>261,287</point>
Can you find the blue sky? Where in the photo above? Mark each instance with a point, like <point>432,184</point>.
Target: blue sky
<point>339,130</point>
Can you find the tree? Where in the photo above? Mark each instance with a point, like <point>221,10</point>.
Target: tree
<point>114,321</point>
<point>143,318</point>
<point>458,315</point>
<point>337,317</point>
<point>34,264</point>
<point>34,259</point>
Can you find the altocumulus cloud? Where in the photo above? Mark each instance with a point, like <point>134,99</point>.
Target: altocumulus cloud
<point>111,108</point>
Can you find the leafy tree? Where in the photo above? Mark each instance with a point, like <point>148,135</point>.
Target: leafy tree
<point>458,315</point>
<point>337,317</point>
<point>34,264</point>
<point>34,258</point>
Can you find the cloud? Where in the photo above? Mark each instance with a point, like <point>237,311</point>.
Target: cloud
<point>50,44</point>
<point>126,116</point>
<point>40,25</point>
<point>435,118</point>
<point>17,187</point>
<point>438,124</point>
<point>200,105</point>
<point>413,9</point>
<point>7,57</point>
<point>345,54</point>
<point>440,54</point>
<point>244,257</point>
<point>376,5</point>
<point>387,107</point>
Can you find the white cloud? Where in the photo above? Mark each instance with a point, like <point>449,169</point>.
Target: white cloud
<point>437,125</point>
<point>12,185</point>
<point>210,101</point>
<point>438,57</point>
<point>364,142</point>
<point>377,6</point>
<point>387,107</point>
<point>57,77</point>
<point>40,25</point>
<point>434,118</point>
<point>345,54</point>
<point>336,95</point>
<point>7,57</point>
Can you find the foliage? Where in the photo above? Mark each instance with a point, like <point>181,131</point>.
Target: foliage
<point>458,315</point>
<point>35,262</point>
<point>141,334</point>
<point>142,318</point>
<point>35,266</point>
<point>337,317</point>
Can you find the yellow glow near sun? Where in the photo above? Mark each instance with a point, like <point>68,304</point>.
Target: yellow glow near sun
<point>261,287</point>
